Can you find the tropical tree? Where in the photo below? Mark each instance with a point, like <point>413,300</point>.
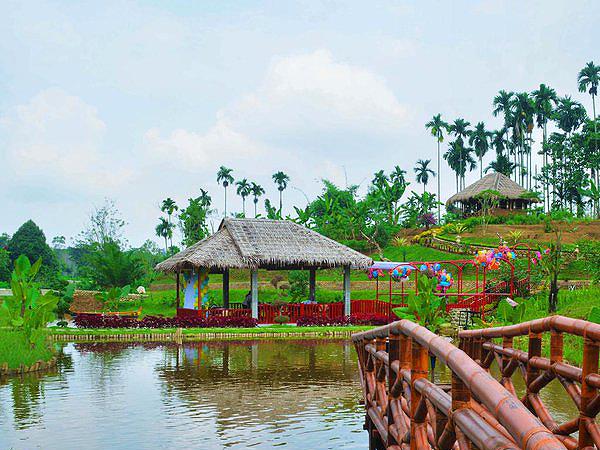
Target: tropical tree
<point>163,230</point>
<point>225,178</point>
<point>169,206</point>
<point>423,171</point>
<point>569,114</point>
<point>380,179</point>
<point>281,179</point>
<point>522,116</point>
<point>502,105</point>
<point>544,99</point>
<point>192,219</point>
<point>437,127</point>
<point>243,190</point>
<point>480,140</point>
<point>397,175</point>
<point>257,191</point>
<point>204,198</point>
<point>502,165</point>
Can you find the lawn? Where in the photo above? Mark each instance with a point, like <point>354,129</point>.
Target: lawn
<point>15,349</point>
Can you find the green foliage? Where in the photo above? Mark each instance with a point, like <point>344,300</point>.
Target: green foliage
<point>281,319</point>
<point>509,315</point>
<point>192,219</point>
<point>425,308</point>
<point>65,298</point>
<point>108,265</point>
<point>4,265</point>
<point>29,240</point>
<point>111,299</point>
<point>594,315</point>
<point>27,309</point>
<point>589,251</point>
<point>16,349</point>
<point>298,280</point>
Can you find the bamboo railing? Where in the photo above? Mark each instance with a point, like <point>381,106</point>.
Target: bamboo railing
<point>404,410</point>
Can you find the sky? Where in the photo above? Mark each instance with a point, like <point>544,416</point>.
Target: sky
<point>139,101</point>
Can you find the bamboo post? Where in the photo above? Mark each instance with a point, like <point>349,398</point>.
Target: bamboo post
<point>312,284</point>
<point>254,292</point>
<point>588,392</point>
<point>226,288</point>
<point>178,288</point>
<point>418,426</point>
<point>347,303</point>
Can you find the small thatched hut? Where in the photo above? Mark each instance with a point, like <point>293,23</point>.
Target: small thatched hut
<point>265,244</point>
<point>512,196</point>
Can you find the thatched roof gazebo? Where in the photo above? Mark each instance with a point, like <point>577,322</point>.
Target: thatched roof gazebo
<point>265,244</point>
<point>512,196</point>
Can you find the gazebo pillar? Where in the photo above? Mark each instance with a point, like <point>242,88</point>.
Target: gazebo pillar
<point>347,308</point>
<point>226,288</point>
<point>178,288</point>
<point>312,284</point>
<point>254,292</point>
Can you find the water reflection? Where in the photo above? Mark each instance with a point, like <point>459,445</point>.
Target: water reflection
<point>239,394</point>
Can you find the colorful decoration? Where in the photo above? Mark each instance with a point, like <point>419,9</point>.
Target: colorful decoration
<point>195,291</point>
<point>401,274</point>
<point>445,280</point>
<point>374,274</point>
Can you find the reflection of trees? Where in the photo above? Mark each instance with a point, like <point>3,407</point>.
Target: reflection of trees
<point>27,391</point>
<point>285,378</point>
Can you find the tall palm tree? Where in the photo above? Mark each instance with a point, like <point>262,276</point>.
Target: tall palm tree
<point>164,230</point>
<point>257,191</point>
<point>204,198</point>
<point>522,115</point>
<point>437,127</point>
<point>225,178</point>
<point>243,190</point>
<point>502,105</point>
<point>423,171</point>
<point>460,129</point>
<point>569,114</point>
<point>397,175</point>
<point>480,140</point>
<point>588,79</point>
<point>497,141</point>
<point>502,165</point>
<point>544,99</point>
<point>169,206</point>
<point>380,179</point>
<point>281,179</point>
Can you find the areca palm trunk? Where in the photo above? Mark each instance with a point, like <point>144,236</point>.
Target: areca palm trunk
<point>438,181</point>
<point>225,214</point>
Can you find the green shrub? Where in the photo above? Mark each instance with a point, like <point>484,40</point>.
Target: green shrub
<point>17,349</point>
<point>281,319</point>
<point>298,284</point>
<point>4,265</point>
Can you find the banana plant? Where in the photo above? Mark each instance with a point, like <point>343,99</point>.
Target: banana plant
<point>27,309</point>
<point>425,308</point>
<point>112,298</point>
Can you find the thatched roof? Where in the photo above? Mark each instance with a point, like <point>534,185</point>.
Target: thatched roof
<point>262,243</point>
<point>494,181</point>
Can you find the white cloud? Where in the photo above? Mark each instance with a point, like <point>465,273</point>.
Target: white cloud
<point>56,138</point>
<point>301,97</point>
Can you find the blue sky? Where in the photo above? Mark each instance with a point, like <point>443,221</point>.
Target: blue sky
<point>137,101</point>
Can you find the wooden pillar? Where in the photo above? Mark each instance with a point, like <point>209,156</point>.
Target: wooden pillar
<point>312,284</point>
<point>177,288</point>
<point>226,288</point>
<point>347,308</point>
<point>254,292</point>
<point>588,392</point>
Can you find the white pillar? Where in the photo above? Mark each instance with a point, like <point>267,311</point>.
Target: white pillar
<point>254,291</point>
<point>347,310</point>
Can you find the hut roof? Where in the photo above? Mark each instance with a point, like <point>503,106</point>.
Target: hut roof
<point>256,243</point>
<point>494,181</point>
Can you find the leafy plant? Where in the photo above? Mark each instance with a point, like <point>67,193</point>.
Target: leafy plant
<point>298,284</point>
<point>425,308</point>
<point>507,314</point>
<point>27,309</point>
<point>112,298</point>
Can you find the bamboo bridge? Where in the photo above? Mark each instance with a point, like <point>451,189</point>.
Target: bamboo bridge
<point>405,410</point>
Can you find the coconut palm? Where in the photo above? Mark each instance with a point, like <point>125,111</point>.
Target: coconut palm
<point>544,99</point>
<point>257,191</point>
<point>225,178</point>
<point>164,230</point>
<point>169,206</point>
<point>423,171</point>
<point>243,190</point>
<point>480,140</point>
<point>281,180</point>
<point>437,127</point>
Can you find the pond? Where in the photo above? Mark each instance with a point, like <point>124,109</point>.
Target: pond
<point>259,394</point>
<point>293,394</point>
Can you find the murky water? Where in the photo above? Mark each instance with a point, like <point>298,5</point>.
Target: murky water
<point>205,395</point>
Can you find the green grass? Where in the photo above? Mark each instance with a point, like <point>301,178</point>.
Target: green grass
<point>258,330</point>
<point>15,349</point>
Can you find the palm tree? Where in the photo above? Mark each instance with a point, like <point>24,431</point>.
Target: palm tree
<point>423,172</point>
<point>502,164</point>
<point>437,127</point>
<point>224,177</point>
<point>257,191</point>
<point>544,99</point>
<point>164,230</point>
<point>204,198</point>
<point>169,206</point>
<point>497,141</point>
<point>397,175</point>
<point>569,114</point>
<point>460,129</point>
<point>589,78</point>
<point>523,110</point>
<point>281,180</point>
<point>502,105</point>
<point>243,190</point>
<point>380,179</point>
<point>480,140</point>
